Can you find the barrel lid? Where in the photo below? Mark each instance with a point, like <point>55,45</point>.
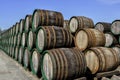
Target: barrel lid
<point>41,42</point>
<point>81,40</point>
<point>99,26</point>
<point>92,57</point>
<point>109,40</point>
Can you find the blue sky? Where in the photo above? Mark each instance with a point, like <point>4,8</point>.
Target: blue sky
<point>11,11</point>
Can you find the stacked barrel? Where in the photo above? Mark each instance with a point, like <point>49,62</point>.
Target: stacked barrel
<point>58,49</point>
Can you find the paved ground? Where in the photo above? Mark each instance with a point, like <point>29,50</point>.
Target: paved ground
<point>11,70</point>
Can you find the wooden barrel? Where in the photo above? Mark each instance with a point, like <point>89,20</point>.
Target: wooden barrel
<point>14,29</point>
<point>80,22</point>
<point>117,49</point>
<point>52,37</point>
<point>19,37</point>
<point>22,22</point>
<point>63,64</point>
<point>24,39</point>
<point>115,27</point>
<point>65,24</point>
<point>31,42</point>
<point>17,27</point>
<point>110,40</point>
<point>103,26</point>
<point>101,59</point>
<point>26,59</point>
<point>35,62</point>
<point>87,38</point>
<point>13,52</point>
<point>15,40</point>
<point>46,18</point>
<point>16,52</point>
<point>28,23</point>
<point>20,56</point>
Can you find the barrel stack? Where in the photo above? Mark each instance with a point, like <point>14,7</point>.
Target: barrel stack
<point>58,49</point>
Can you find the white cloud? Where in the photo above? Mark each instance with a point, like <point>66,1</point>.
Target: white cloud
<point>109,1</point>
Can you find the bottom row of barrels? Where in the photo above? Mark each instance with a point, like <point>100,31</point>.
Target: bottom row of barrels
<point>68,63</point>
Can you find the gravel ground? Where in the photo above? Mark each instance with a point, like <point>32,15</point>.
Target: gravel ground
<point>11,70</point>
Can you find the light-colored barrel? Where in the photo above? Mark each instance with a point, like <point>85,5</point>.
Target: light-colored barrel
<point>31,42</point>
<point>87,38</point>
<point>26,58</point>
<point>80,22</point>
<point>53,37</point>
<point>19,37</point>
<point>28,23</point>
<point>101,59</point>
<point>110,40</point>
<point>103,26</point>
<point>35,63</point>
<point>16,53</point>
<point>66,24</point>
<point>20,56</point>
<point>46,18</point>
<point>22,22</point>
<point>115,27</point>
<point>17,28</point>
<point>63,64</point>
<point>24,39</point>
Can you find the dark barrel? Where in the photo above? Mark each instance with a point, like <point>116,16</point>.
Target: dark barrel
<point>103,26</point>
<point>63,64</point>
<point>53,37</point>
<point>80,22</point>
<point>46,18</point>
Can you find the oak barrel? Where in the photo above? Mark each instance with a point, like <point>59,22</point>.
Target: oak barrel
<point>20,56</point>
<point>24,39</point>
<point>66,24</point>
<point>101,59</point>
<point>110,40</point>
<point>87,38</point>
<point>80,22</point>
<point>22,22</point>
<point>63,64</point>
<point>53,37</point>
<point>26,58</point>
<point>31,42</point>
<point>35,62</point>
<point>115,27</point>
<point>16,52</point>
<point>28,23</point>
<point>46,18</point>
<point>17,28</point>
<point>19,37</point>
<point>103,26</point>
